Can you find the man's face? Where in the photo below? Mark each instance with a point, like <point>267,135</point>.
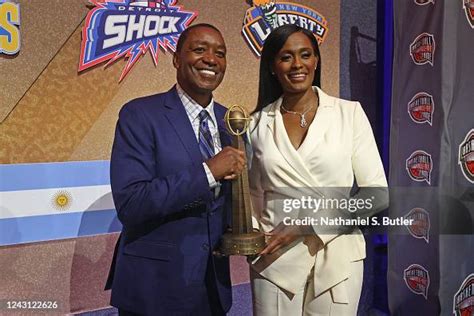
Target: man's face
<point>201,63</point>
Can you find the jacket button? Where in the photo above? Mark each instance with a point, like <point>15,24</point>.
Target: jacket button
<point>205,247</point>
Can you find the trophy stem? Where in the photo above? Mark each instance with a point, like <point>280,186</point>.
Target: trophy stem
<point>241,203</point>
<point>242,240</point>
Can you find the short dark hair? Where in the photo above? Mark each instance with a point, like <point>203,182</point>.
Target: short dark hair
<point>269,88</point>
<point>185,33</point>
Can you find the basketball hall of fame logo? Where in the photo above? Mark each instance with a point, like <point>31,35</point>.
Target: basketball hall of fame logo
<point>421,108</point>
<point>417,279</point>
<point>419,166</point>
<point>466,156</point>
<point>422,49</point>
<point>463,303</point>
<point>420,223</point>
<point>424,2</point>
<point>468,6</point>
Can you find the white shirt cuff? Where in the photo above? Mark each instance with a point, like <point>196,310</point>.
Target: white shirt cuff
<point>210,178</point>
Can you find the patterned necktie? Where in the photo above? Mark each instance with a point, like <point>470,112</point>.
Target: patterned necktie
<point>206,144</point>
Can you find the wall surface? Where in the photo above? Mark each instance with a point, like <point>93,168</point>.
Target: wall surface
<point>50,113</point>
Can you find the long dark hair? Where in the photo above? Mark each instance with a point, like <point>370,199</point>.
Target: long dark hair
<point>269,88</point>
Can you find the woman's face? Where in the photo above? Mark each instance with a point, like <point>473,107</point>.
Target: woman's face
<point>295,63</point>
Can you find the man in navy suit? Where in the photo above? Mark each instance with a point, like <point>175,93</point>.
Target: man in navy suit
<point>168,177</point>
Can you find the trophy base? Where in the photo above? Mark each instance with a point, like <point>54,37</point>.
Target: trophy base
<point>242,244</point>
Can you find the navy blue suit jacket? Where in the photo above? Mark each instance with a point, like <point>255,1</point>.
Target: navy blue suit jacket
<point>171,219</point>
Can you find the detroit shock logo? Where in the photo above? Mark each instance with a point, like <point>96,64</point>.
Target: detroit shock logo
<point>130,28</point>
<point>420,227</point>
<point>419,166</point>
<point>421,108</point>
<point>417,279</point>
<point>463,304</point>
<point>422,49</point>
<point>266,15</point>
<point>468,6</point>
<point>466,156</point>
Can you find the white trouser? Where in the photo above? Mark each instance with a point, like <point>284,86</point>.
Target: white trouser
<point>270,300</point>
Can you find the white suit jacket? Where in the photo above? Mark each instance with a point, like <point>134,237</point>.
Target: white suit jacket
<point>339,147</point>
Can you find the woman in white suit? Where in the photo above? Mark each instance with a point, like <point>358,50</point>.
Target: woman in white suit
<point>307,143</point>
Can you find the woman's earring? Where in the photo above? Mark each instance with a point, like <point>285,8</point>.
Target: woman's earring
<point>273,73</point>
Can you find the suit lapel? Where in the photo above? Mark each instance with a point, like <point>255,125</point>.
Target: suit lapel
<point>289,153</point>
<point>319,127</point>
<point>178,118</point>
<point>271,115</point>
<point>296,158</point>
<point>284,146</point>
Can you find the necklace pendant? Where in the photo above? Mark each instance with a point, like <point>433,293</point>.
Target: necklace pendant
<point>303,122</point>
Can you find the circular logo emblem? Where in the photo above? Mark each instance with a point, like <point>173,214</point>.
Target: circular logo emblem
<point>62,200</point>
<point>466,156</point>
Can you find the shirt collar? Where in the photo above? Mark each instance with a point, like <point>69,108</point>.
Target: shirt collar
<point>193,108</point>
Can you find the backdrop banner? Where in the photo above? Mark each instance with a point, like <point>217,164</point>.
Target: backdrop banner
<point>430,270</point>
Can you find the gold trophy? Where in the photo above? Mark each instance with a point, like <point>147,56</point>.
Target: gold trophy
<point>242,240</point>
